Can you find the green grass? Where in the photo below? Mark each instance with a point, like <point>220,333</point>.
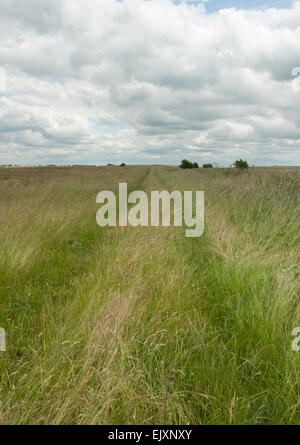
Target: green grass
<point>144,325</point>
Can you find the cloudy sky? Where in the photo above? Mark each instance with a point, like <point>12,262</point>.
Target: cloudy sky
<point>149,81</point>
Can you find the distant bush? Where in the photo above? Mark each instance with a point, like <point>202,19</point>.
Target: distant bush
<point>241,164</point>
<point>123,164</point>
<point>207,166</point>
<point>187,164</point>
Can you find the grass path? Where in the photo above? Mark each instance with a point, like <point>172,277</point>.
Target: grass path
<point>146,326</point>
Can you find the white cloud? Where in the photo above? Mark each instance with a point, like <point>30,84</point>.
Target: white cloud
<point>147,80</point>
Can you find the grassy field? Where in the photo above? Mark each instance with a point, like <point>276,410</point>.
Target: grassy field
<point>143,325</point>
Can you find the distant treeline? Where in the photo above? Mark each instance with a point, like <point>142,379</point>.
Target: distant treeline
<point>241,164</point>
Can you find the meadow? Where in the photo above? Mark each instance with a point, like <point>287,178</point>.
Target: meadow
<point>143,325</point>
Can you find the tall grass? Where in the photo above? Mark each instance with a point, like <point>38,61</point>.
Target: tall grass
<point>143,325</point>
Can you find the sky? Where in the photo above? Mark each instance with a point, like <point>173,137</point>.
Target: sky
<point>149,81</point>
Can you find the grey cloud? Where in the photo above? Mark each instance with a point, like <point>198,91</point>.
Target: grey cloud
<point>182,81</point>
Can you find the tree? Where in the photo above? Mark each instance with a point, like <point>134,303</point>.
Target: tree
<point>123,164</point>
<point>186,164</point>
<point>241,164</point>
<point>196,165</point>
<point>207,166</point>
